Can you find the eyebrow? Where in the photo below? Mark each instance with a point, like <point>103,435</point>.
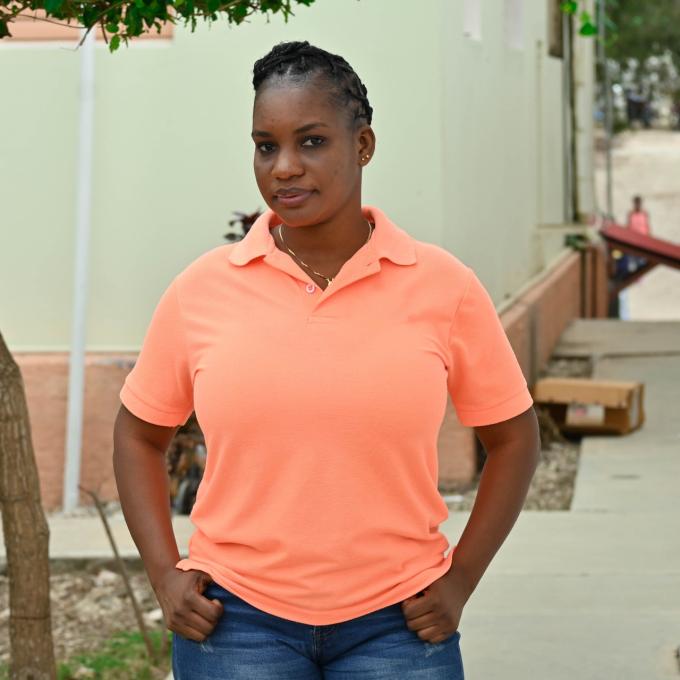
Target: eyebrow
<point>304,128</point>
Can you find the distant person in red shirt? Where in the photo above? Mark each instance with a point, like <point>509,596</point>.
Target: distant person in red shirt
<point>638,219</point>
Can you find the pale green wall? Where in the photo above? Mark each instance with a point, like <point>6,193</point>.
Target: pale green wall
<point>455,163</point>
<point>503,140</point>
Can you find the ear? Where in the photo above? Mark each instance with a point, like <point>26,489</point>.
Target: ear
<point>365,143</point>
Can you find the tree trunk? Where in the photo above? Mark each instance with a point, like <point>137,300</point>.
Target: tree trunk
<point>26,533</point>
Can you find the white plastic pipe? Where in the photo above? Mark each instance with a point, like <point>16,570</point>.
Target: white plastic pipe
<point>76,383</point>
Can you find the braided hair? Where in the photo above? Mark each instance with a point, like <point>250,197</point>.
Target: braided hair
<point>300,61</point>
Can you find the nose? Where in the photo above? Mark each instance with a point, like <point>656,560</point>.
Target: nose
<point>286,164</point>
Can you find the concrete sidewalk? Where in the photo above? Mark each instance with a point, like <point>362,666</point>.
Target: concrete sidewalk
<point>594,593</point>
<point>590,594</point>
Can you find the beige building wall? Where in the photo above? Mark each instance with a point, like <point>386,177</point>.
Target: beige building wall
<point>502,134</point>
<point>468,156</point>
<point>468,117</point>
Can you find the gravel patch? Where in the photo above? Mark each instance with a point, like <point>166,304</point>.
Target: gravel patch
<point>552,486</point>
<point>87,608</point>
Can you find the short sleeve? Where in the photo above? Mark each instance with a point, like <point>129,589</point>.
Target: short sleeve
<point>159,388</point>
<point>485,380</point>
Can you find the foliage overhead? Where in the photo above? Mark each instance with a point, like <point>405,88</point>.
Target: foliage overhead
<point>635,30</point>
<point>121,20</point>
<point>644,29</point>
<point>642,41</point>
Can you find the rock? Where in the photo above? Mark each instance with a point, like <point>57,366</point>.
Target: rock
<point>106,577</point>
<point>154,616</point>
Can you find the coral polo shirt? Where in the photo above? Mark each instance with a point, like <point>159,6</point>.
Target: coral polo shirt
<point>321,410</point>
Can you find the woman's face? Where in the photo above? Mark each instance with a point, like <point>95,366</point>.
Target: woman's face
<point>303,144</point>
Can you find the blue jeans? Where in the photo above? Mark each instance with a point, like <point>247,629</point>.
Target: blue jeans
<point>250,644</point>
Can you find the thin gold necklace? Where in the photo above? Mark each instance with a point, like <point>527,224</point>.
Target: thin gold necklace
<point>328,279</point>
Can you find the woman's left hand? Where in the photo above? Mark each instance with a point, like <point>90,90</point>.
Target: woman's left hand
<point>436,615</point>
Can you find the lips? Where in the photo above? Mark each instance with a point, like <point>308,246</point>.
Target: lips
<point>292,197</point>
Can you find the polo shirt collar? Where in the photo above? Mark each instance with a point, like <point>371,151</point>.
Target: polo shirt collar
<point>388,240</point>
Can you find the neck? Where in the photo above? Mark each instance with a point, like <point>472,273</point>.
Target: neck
<point>328,242</point>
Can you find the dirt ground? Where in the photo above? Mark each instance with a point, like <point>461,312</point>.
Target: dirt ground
<point>87,607</point>
<point>647,163</point>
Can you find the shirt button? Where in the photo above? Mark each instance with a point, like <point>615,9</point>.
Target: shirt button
<point>310,288</point>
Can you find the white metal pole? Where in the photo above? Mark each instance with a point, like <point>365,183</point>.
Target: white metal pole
<point>76,384</point>
<point>567,118</point>
<point>608,114</point>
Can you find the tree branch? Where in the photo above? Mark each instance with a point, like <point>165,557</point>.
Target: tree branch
<point>50,21</point>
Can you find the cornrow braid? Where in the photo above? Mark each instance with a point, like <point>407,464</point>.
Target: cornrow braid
<point>300,61</point>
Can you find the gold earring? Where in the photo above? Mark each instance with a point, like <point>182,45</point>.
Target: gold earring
<point>365,158</point>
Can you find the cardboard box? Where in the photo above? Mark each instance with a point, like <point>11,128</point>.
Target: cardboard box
<point>592,406</point>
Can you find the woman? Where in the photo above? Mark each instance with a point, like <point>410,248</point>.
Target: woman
<point>318,353</point>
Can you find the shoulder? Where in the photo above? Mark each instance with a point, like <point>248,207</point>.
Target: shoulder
<point>456,280</point>
<point>437,260</point>
<point>207,265</point>
<point>430,258</point>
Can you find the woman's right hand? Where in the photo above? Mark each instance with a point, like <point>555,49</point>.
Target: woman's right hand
<point>185,610</point>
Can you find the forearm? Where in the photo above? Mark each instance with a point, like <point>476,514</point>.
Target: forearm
<point>503,487</point>
<point>142,482</point>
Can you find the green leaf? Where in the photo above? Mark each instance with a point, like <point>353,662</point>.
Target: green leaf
<point>53,5</point>
<point>112,27</point>
<point>588,29</point>
<point>569,7</point>
<point>4,29</point>
<point>88,16</point>
<point>133,21</point>
<point>240,12</point>
<point>115,43</point>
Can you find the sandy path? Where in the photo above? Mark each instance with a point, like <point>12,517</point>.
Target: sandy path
<point>647,162</point>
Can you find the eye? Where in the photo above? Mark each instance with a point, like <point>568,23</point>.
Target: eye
<point>260,149</point>
<point>319,140</point>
